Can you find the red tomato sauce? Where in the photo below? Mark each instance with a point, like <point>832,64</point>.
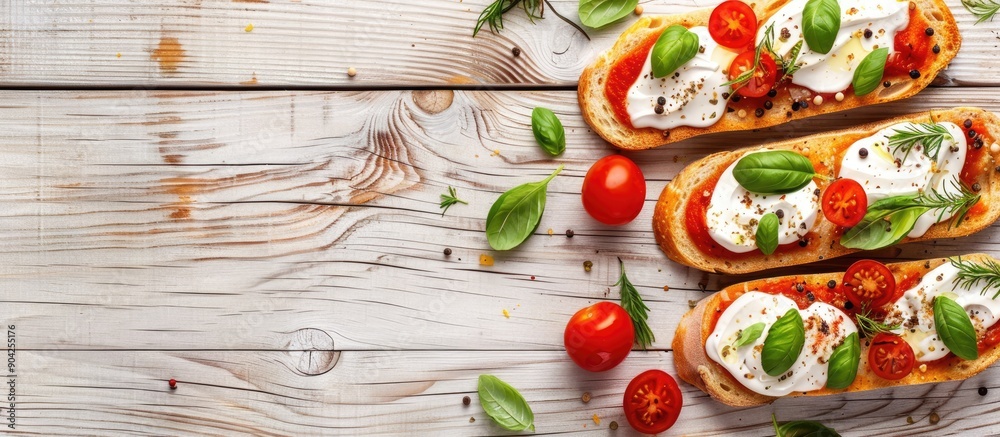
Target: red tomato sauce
<point>912,47</point>
<point>623,74</point>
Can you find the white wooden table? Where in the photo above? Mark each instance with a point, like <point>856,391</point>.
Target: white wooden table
<point>196,190</point>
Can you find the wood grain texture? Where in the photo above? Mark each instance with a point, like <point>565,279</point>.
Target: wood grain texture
<point>314,42</point>
<point>420,393</point>
<point>280,253</point>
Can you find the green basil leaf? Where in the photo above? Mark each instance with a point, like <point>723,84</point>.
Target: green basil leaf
<point>876,232</point>
<point>774,172</point>
<point>749,335</point>
<point>767,233</point>
<point>820,24</point>
<point>548,130</point>
<point>868,75</point>
<point>783,343</point>
<point>504,404</point>
<point>844,363</point>
<point>673,48</point>
<point>516,213</point>
<point>600,13</point>
<point>955,328</point>
<point>804,428</point>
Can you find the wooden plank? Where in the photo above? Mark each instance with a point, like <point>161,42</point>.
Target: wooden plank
<point>314,43</point>
<point>420,393</point>
<point>152,220</point>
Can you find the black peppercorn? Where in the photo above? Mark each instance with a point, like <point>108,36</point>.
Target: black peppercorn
<point>800,288</point>
<point>661,101</point>
<point>887,84</point>
<point>570,233</point>
<point>803,243</point>
<point>725,96</point>
<point>815,193</point>
<point>466,400</point>
<point>929,31</point>
<point>515,51</point>
<point>736,98</point>
<point>972,133</point>
<point>772,93</point>
<point>759,112</point>
<point>983,391</point>
<point>832,284</point>
<point>658,109</point>
<point>914,74</point>
<point>936,49</point>
<point>863,152</point>
<point>447,251</point>
<point>848,305</point>
<point>730,109</point>
<point>978,143</point>
<point>998,169</point>
<point>976,187</point>
<point>804,104</point>
<point>795,106</point>
<point>781,213</point>
<point>810,296</point>
<point>967,123</point>
<point>768,105</point>
<point>868,33</point>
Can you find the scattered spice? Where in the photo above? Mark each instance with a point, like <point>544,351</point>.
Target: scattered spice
<point>466,401</point>
<point>570,233</point>
<point>666,288</point>
<point>587,265</point>
<point>118,55</point>
<point>550,231</point>
<point>742,113</point>
<point>506,314</point>
<point>447,251</point>
<point>909,420</point>
<point>532,277</point>
<point>934,418</point>
<point>983,391</point>
<point>249,28</point>
<point>173,383</point>
<point>638,9</point>
<point>995,148</point>
<point>818,100</point>
<point>485,260</point>
<point>586,397</point>
<point>597,420</point>
<point>692,304</point>
<point>351,71</point>
<point>613,425</point>
<point>839,97</point>
<point>472,420</point>
<point>515,51</point>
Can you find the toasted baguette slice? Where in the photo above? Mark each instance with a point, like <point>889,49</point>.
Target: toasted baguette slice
<point>598,112</point>
<point>825,151</point>
<point>695,367</point>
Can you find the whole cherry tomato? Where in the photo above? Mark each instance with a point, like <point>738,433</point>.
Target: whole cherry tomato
<point>614,190</point>
<point>599,337</point>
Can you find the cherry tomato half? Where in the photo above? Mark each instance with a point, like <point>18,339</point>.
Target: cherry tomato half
<point>733,24</point>
<point>599,337</point>
<point>652,402</point>
<point>890,357</point>
<point>763,77</point>
<point>614,190</point>
<point>869,283</point>
<point>845,202</point>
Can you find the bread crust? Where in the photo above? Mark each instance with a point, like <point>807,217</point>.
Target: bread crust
<point>824,150</point>
<point>600,116</point>
<point>694,366</point>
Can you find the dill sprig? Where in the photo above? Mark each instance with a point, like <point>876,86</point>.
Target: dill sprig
<point>971,274</point>
<point>870,325</point>
<point>982,9</point>
<point>447,200</point>
<point>930,135</point>
<point>636,309</point>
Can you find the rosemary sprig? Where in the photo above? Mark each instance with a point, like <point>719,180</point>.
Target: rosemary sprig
<point>982,9</point>
<point>870,325</point>
<point>790,66</point>
<point>971,274</point>
<point>744,77</point>
<point>957,205</point>
<point>930,135</point>
<point>447,200</point>
<point>493,15</point>
<point>636,309</point>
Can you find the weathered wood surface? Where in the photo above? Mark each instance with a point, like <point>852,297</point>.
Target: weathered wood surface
<point>280,253</point>
<point>420,393</point>
<point>314,42</point>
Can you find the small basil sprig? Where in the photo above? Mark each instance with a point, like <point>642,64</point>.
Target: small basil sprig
<point>844,362</point>
<point>673,48</point>
<point>774,172</point>
<point>889,220</point>
<point>868,75</point>
<point>516,213</point>
<point>600,13</point>
<point>783,344</point>
<point>548,130</point>
<point>767,233</point>
<point>749,335</point>
<point>802,428</point>
<point>504,404</point>
<point>955,328</point>
<point>820,24</point>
